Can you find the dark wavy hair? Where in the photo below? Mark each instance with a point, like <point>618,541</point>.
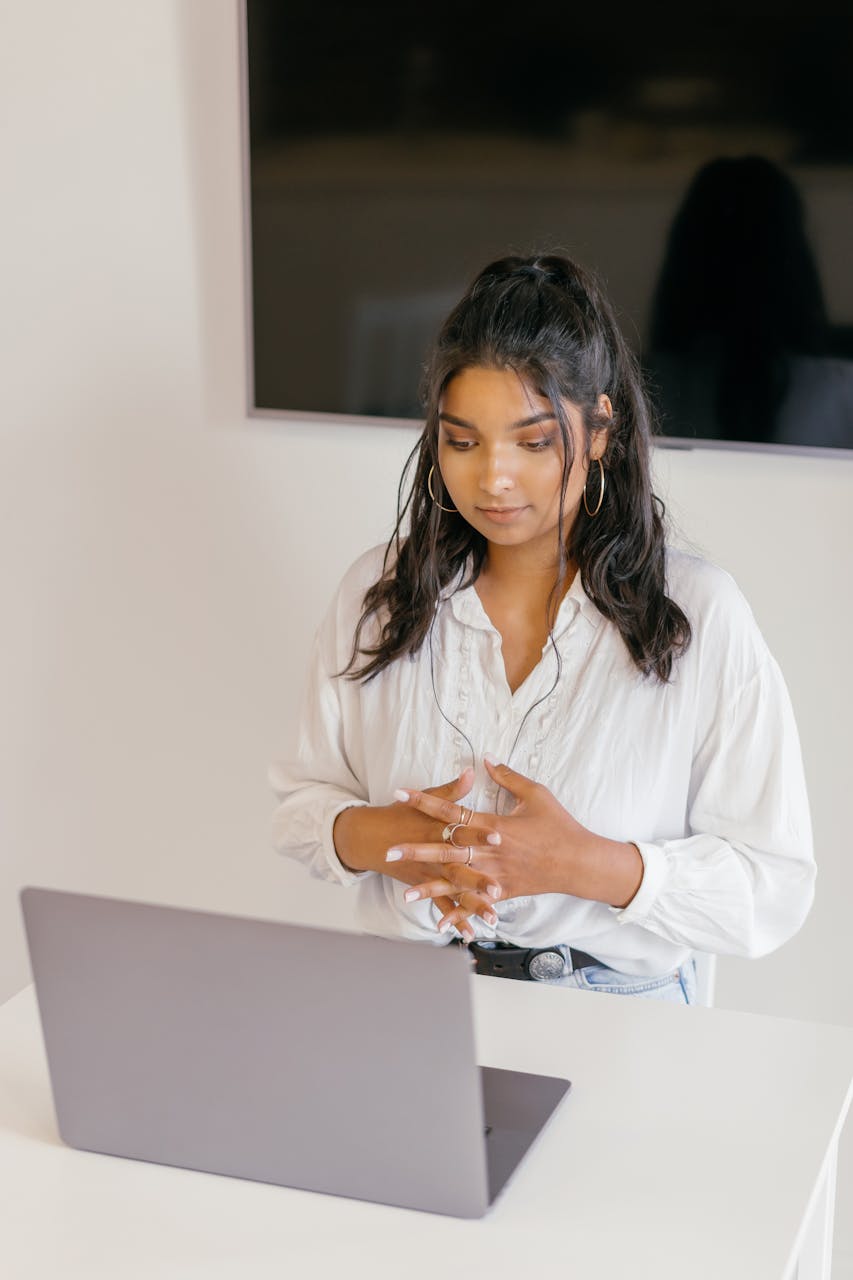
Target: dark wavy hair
<point>547,320</point>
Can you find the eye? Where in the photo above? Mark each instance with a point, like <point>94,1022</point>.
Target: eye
<point>462,446</point>
<point>538,446</point>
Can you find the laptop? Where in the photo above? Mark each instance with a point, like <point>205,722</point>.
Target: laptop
<point>330,1061</point>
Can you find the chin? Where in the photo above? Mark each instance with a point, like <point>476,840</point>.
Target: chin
<point>508,537</point>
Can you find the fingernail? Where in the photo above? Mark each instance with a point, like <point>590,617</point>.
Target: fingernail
<point>490,759</point>
<point>410,895</point>
<point>445,925</point>
<point>393,855</point>
<point>493,838</point>
<point>401,795</point>
<point>494,891</point>
<point>468,935</point>
<point>490,917</point>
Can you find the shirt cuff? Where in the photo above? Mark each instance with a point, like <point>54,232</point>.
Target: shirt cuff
<point>338,871</point>
<point>655,872</point>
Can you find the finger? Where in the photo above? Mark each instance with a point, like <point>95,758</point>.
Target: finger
<point>483,907</point>
<point>457,917</point>
<point>475,903</point>
<point>429,889</point>
<point>445,810</point>
<point>516,783</point>
<point>447,905</point>
<point>477,880</point>
<point>466,837</point>
<point>458,910</point>
<point>441,851</point>
<point>452,791</point>
<point>484,896</point>
<point>456,788</point>
<point>444,854</point>
<point>448,812</point>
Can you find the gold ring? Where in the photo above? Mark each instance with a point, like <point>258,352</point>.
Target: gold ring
<point>467,815</point>
<point>470,855</point>
<point>447,834</point>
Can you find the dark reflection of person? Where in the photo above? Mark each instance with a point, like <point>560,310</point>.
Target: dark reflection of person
<point>739,332</point>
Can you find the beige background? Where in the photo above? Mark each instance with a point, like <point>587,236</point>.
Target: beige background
<point>164,558</point>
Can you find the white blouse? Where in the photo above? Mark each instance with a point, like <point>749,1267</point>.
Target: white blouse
<point>703,774</point>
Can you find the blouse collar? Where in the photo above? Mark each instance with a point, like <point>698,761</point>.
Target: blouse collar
<point>468,609</point>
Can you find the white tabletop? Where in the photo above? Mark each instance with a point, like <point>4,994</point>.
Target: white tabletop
<point>690,1147</point>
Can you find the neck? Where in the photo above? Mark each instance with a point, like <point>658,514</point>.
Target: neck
<point>522,564</point>
<point>527,574</point>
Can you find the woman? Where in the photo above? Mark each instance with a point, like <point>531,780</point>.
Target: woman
<point>605,708</point>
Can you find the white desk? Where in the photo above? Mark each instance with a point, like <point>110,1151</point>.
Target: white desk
<point>696,1143</point>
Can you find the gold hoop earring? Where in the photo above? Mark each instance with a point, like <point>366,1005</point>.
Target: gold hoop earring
<point>449,510</point>
<point>600,492</point>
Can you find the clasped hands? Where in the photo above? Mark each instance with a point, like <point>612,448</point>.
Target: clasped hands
<point>527,851</point>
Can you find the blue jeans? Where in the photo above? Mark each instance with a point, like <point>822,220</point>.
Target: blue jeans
<point>677,987</point>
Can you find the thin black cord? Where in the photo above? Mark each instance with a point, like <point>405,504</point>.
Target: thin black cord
<point>530,709</point>
<point>444,717</point>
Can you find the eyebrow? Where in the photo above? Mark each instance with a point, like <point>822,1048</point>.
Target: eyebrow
<point>513,426</point>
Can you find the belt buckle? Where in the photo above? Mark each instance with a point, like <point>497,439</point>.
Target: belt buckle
<point>545,965</point>
<point>506,960</point>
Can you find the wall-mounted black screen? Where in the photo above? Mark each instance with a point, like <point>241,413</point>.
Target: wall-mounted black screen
<point>701,163</point>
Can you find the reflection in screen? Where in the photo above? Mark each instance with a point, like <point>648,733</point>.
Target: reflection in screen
<point>740,345</point>
<point>393,153</point>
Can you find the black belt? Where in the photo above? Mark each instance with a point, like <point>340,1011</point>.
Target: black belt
<point>529,964</point>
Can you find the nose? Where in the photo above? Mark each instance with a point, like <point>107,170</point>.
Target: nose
<point>496,475</point>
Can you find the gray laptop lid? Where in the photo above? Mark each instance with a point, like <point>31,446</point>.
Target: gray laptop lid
<point>331,1061</point>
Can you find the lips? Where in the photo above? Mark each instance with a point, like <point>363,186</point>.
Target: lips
<point>501,515</point>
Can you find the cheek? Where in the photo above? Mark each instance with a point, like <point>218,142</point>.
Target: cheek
<point>451,464</point>
<point>552,479</point>
<point>577,480</point>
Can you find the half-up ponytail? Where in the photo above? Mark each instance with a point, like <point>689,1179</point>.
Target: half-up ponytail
<point>546,319</point>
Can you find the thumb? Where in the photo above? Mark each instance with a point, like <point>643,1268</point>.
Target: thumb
<point>517,784</point>
<point>455,789</point>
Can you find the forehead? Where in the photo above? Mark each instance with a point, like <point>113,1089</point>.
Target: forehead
<point>500,391</point>
<point>486,398</point>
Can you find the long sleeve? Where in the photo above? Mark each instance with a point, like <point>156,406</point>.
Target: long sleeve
<point>325,773</point>
<point>316,784</point>
<point>742,882</point>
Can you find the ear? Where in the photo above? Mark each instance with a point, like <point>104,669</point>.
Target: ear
<point>600,435</point>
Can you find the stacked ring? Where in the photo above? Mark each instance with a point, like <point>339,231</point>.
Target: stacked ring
<point>447,834</point>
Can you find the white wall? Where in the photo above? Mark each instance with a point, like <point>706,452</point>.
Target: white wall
<point>163,558</point>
